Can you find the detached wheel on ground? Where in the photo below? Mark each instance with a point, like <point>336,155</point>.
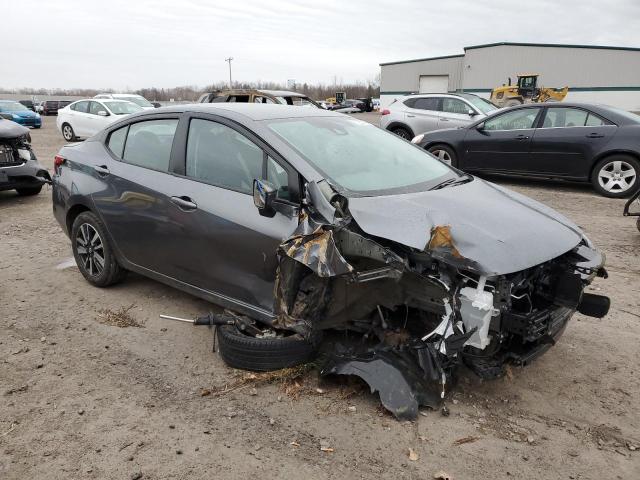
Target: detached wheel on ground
<point>93,252</point>
<point>616,176</point>
<point>445,154</point>
<point>240,350</point>
<point>402,132</point>
<point>68,133</point>
<point>28,191</point>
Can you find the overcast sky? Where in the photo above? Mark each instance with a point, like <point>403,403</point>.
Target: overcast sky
<point>129,44</point>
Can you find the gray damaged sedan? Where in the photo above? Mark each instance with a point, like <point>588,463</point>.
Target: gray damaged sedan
<point>317,232</point>
<point>19,167</point>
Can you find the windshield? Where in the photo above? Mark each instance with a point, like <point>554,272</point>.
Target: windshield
<point>122,108</point>
<point>12,107</point>
<point>485,106</point>
<point>360,157</point>
<point>143,102</point>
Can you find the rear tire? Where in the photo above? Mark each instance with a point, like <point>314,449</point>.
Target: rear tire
<point>616,176</point>
<point>67,133</point>
<point>402,132</point>
<point>239,350</point>
<point>28,191</point>
<point>93,253</point>
<point>445,154</point>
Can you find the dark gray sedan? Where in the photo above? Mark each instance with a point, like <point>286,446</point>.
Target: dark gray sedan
<point>303,221</point>
<point>573,141</point>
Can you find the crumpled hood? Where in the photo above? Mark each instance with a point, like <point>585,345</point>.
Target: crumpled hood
<point>501,230</point>
<point>9,129</point>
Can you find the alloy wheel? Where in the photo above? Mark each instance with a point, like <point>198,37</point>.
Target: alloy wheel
<point>90,249</point>
<point>442,155</point>
<point>617,176</point>
<point>67,133</point>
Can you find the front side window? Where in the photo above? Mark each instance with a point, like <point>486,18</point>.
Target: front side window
<point>221,156</point>
<point>454,105</point>
<point>513,120</point>
<point>360,157</point>
<point>96,107</point>
<point>238,99</point>
<point>149,144</point>
<point>259,99</point>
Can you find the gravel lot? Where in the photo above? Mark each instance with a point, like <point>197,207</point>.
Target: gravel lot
<point>83,399</point>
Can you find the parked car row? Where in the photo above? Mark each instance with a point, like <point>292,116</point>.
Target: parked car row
<point>19,113</point>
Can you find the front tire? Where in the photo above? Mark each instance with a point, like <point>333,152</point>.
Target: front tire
<point>239,350</point>
<point>512,103</point>
<point>445,154</point>
<point>616,176</point>
<point>68,133</point>
<point>93,253</point>
<point>28,191</point>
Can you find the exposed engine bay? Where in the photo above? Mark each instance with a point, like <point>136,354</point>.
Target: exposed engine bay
<point>409,317</point>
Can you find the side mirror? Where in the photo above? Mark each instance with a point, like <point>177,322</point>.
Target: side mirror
<point>472,113</point>
<point>263,195</point>
<point>480,127</point>
<point>102,113</point>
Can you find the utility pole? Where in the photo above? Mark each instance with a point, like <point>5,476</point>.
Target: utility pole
<point>229,60</point>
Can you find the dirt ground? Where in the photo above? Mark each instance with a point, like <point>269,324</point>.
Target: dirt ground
<point>80,398</point>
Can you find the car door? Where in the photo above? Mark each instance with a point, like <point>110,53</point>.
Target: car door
<point>79,119</point>
<point>99,117</point>
<point>135,199</point>
<point>566,141</point>
<point>501,143</point>
<point>423,114</point>
<point>227,247</point>
<point>455,113</point>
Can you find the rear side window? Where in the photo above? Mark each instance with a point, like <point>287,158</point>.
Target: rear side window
<point>82,107</point>
<point>595,121</point>
<point>431,103</point>
<point>219,155</point>
<point>116,141</point>
<point>562,117</point>
<point>148,144</point>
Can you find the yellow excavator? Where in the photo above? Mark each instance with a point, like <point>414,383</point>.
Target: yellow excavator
<point>526,91</point>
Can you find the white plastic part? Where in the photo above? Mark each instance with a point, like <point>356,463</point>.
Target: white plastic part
<point>476,309</point>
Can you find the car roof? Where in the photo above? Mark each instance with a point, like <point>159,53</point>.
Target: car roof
<point>250,111</point>
<point>282,93</point>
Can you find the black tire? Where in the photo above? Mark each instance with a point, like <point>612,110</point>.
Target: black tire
<point>111,272</point>
<point>239,350</point>
<point>620,189</point>
<point>37,127</point>
<point>67,133</point>
<point>436,149</point>
<point>28,191</point>
<point>402,132</point>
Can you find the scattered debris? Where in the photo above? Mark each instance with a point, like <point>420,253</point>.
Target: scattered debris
<point>324,447</point>
<point>253,391</point>
<point>120,318</point>
<point>351,408</point>
<point>204,392</point>
<point>136,476</point>
<point>463,440</point>
<point>286,377</point>
<point>294,444</point>
<point>413,455</point>
<point>13,425</point>
<point>22,388</point>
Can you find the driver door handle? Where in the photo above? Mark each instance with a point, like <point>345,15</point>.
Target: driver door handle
<point>594,135</point>
<point>522,137</point>
<point>410,116</point>
<point>184,203</point>
<point>102,170</point>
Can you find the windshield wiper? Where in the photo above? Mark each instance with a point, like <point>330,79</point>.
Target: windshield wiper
<point>453,181</point>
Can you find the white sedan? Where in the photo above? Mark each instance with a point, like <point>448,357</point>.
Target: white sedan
<point>85,118</point>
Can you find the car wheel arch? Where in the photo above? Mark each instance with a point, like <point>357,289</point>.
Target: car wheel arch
<point>445,144</point>
<point>393,125</point>
<point>73,213</point>
<point>610,153</point>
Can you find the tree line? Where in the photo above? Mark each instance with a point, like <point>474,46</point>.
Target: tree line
<point>190,93</point>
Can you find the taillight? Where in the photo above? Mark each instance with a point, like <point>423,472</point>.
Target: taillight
<point>57,162</point>
<point>385,112</point>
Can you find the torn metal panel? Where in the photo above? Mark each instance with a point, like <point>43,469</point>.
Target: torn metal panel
<point>399,380</point>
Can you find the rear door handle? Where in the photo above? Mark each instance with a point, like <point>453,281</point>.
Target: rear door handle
<point>410,116</point>
<point>522,137</point>
<point>594,135</point>
<point>184,203</point>
<point>102,170</point>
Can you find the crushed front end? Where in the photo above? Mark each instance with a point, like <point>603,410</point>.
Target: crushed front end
<point>19,168</point>
<point>403,319</point>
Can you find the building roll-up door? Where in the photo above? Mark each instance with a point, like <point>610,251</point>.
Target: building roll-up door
<point>434,83</point>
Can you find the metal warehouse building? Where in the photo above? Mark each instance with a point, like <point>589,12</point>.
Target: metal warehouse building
<point>599,74</point>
